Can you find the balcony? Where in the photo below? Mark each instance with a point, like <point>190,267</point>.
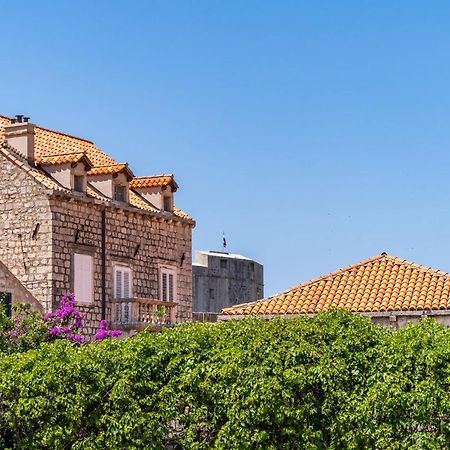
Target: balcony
<point>139,313</point>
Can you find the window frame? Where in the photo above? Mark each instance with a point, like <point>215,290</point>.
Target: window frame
<point>82,178</point>
<point>120,187</point>
<point>168,271</point>
<point>168,207</point>
<point>123,268</point>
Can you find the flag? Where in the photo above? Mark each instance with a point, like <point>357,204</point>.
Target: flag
<point>224,241</point>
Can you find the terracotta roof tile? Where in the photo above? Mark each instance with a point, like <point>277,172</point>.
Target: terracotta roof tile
<point>50,143</point>
<point>154,181</point>
<point>110,169</point>
<point>53,148</point>
<point>66,158</point>
<point>380,284</point>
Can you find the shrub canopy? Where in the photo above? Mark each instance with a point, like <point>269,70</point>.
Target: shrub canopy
<point>333,381</point>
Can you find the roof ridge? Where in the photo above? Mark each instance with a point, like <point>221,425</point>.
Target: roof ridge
<point>54,131</point>
<point>157,176</point>
<point>65,134</point>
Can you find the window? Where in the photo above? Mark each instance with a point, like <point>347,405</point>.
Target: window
<point>120,193</point>
<point>78,183</point>
<point>211,293</point>
<point>83,278</point>
<point>167,203</point>
<point>6,302</point>
<point>168,284</point>
<point>122,282</point>
<point>223,263</point>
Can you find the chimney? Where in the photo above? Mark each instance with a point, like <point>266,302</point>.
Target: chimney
<point>20,135</point>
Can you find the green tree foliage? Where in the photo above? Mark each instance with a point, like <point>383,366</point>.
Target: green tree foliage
<point>333,381</point>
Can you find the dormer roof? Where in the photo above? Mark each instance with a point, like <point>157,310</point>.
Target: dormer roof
<point>67,158</point>
<point>112,169</point>
<point>154,181</point>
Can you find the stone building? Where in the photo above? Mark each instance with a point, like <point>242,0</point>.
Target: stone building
<point>222,279</point>
<point>72,219</point>
<point>391,291</point>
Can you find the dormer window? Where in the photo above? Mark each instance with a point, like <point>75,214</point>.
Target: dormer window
<point>68,169</point>
<point>120,193</point>
<point>111,181</point>
<point>157,190</point>
<point>79,182</point>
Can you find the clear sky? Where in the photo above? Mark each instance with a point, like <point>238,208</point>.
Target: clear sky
<point>314,133</point>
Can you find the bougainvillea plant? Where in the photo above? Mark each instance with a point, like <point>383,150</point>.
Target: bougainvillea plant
<point>28,329</point>
<point>67,322</point>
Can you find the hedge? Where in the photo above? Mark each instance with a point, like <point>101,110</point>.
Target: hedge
<point>333,381</point>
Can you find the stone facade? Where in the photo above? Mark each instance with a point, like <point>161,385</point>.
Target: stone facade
<point>223,279</point>
<point>24,206</point>
<point>41,229</point>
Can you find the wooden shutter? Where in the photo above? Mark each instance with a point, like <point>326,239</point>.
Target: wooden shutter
<point>168,284</point>
<point>123,282</point>
<point>126,283</point>
<point>118,283</point>
<point>6,301</point>
<point>83,278</point>
<point>171,287</point>
<point>164,286</point>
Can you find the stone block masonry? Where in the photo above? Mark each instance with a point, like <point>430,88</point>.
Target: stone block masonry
<point>40,231</point>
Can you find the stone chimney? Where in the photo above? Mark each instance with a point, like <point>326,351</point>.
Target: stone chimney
<point>20,135</point>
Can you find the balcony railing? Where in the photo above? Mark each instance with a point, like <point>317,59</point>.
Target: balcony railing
<point>139,313</point>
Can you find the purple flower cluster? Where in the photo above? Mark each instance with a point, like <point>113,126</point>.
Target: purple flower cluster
<point>104,333</point>
<point>66,321</point>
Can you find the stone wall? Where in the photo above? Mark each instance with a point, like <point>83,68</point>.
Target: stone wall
<point>222,280</point>
<point>25,231</point>
<point>138,240</point>
<point>39,235</point>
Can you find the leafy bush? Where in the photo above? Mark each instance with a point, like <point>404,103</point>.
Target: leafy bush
<point>333,381</point>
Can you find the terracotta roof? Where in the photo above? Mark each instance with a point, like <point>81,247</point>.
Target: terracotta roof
<point>380,284</point>
<point>137,201</point>
<point>67,158</point>
<point>54,147</point>
<point>50,143</point>
<point>111,169</point>
<point>154,181</point>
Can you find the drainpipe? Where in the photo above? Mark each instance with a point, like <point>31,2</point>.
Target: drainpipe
<point>103,263</point>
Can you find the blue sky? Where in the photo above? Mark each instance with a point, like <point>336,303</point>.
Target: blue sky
<point>314,133</point>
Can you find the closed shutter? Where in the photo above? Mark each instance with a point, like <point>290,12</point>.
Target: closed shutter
<point>83,278</point>
<point>126,284</point>
<point>6,302</point>
<point>123,282</point>
<point>164,286</point>
<point>168,284</point>
<point>171,287</point>
<point>118,286</point>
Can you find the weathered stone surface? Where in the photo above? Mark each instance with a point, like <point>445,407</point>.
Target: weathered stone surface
<point>39,234</point>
